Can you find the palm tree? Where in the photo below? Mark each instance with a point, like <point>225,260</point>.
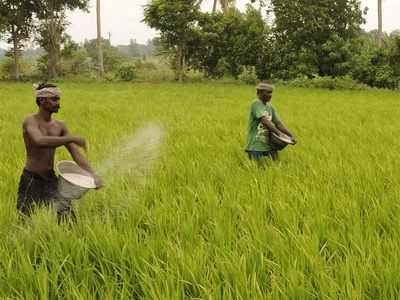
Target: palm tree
<point>99,41</point>
<point>380,33</point>
<point>214,9</point>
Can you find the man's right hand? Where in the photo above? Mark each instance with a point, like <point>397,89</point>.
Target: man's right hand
<point>98,182</point>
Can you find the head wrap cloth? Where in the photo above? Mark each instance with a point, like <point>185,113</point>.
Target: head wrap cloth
<point>48,92</point>
<point>265,86</point>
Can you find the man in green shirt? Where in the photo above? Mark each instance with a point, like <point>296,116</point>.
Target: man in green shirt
<point>264,121</point>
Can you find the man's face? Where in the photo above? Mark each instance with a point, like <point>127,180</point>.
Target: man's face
<point>51,104</point>
<point>264,95</point>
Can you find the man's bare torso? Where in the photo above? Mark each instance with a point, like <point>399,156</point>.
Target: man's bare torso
<point>41,159</point>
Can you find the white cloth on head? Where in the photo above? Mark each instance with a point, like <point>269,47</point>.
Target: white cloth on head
<point>48,92</point>
<point>265,86</point>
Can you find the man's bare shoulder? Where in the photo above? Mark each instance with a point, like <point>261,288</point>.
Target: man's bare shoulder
<point>29,120</point>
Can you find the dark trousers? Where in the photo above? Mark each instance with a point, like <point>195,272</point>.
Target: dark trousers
<point>41,190</point>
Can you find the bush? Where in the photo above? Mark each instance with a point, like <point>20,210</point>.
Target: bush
<point>126,72</point>
<point>109,76</point>
<point>145,65</point>
<point>302,81</point>
<point>77,63</point>
<point>327,82</point>
<point>248,75</point>
<point>379,67</point>
<point>26,67</point>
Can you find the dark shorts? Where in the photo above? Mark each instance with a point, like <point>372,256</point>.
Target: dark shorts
<point>257,155</point>
<point>41,190</point>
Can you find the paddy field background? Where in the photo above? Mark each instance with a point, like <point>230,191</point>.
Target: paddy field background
<point>185,215</point>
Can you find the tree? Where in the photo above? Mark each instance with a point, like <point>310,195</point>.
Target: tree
<point>112,58</point>
<point>99,44</point>
<point>17,21</point>
<point>242,38</point>
<point>227,43</point>
<point>51,30</point>
<point>378,66</point>
<point>315,38</point>
<point>176,20</point>
<point>3,27</point>
<point>207,50</point>
<point>52,16</point>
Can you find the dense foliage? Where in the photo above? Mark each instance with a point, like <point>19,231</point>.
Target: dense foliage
<point>295,41</point>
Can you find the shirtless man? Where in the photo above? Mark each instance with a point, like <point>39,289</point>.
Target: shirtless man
<point>42,135</point>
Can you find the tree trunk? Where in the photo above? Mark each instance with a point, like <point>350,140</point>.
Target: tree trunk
<point>224,6</point>
<point>54,36</point>
<point>99,42</point>
<point>214,7</point>
<point>380,31</point>
<point>179,64</point>
<point>183,66</point>
<point>52,63</point>
<point>15,53</point>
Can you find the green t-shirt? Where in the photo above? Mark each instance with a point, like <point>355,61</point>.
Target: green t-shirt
<point>257,137</point>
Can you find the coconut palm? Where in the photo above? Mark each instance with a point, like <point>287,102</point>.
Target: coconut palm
<point>380,33</point>
<point>99,41</point>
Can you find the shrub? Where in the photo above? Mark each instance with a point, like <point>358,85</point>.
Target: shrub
<point>26,68</point>
<point>77,63</point>
<point>248,75</point>
<point>302,81</point>
<point>109,76</point>
<point>126,72</point>
<point>327,82</point>
<point>145,65</point>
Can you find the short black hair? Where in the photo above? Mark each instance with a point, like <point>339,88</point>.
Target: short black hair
<point>41,86</point>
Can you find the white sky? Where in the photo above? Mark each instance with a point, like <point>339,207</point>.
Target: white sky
<point>122,19</point>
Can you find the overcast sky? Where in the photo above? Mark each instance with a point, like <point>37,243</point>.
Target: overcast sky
<point>122,19</point>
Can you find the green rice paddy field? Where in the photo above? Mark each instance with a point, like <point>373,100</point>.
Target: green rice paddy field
<point>185,215</point>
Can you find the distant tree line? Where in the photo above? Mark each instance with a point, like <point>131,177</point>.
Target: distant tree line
<point>278,40</point>
<point>75,58</point>
<point>298,39</point>
<point>43,20</point>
